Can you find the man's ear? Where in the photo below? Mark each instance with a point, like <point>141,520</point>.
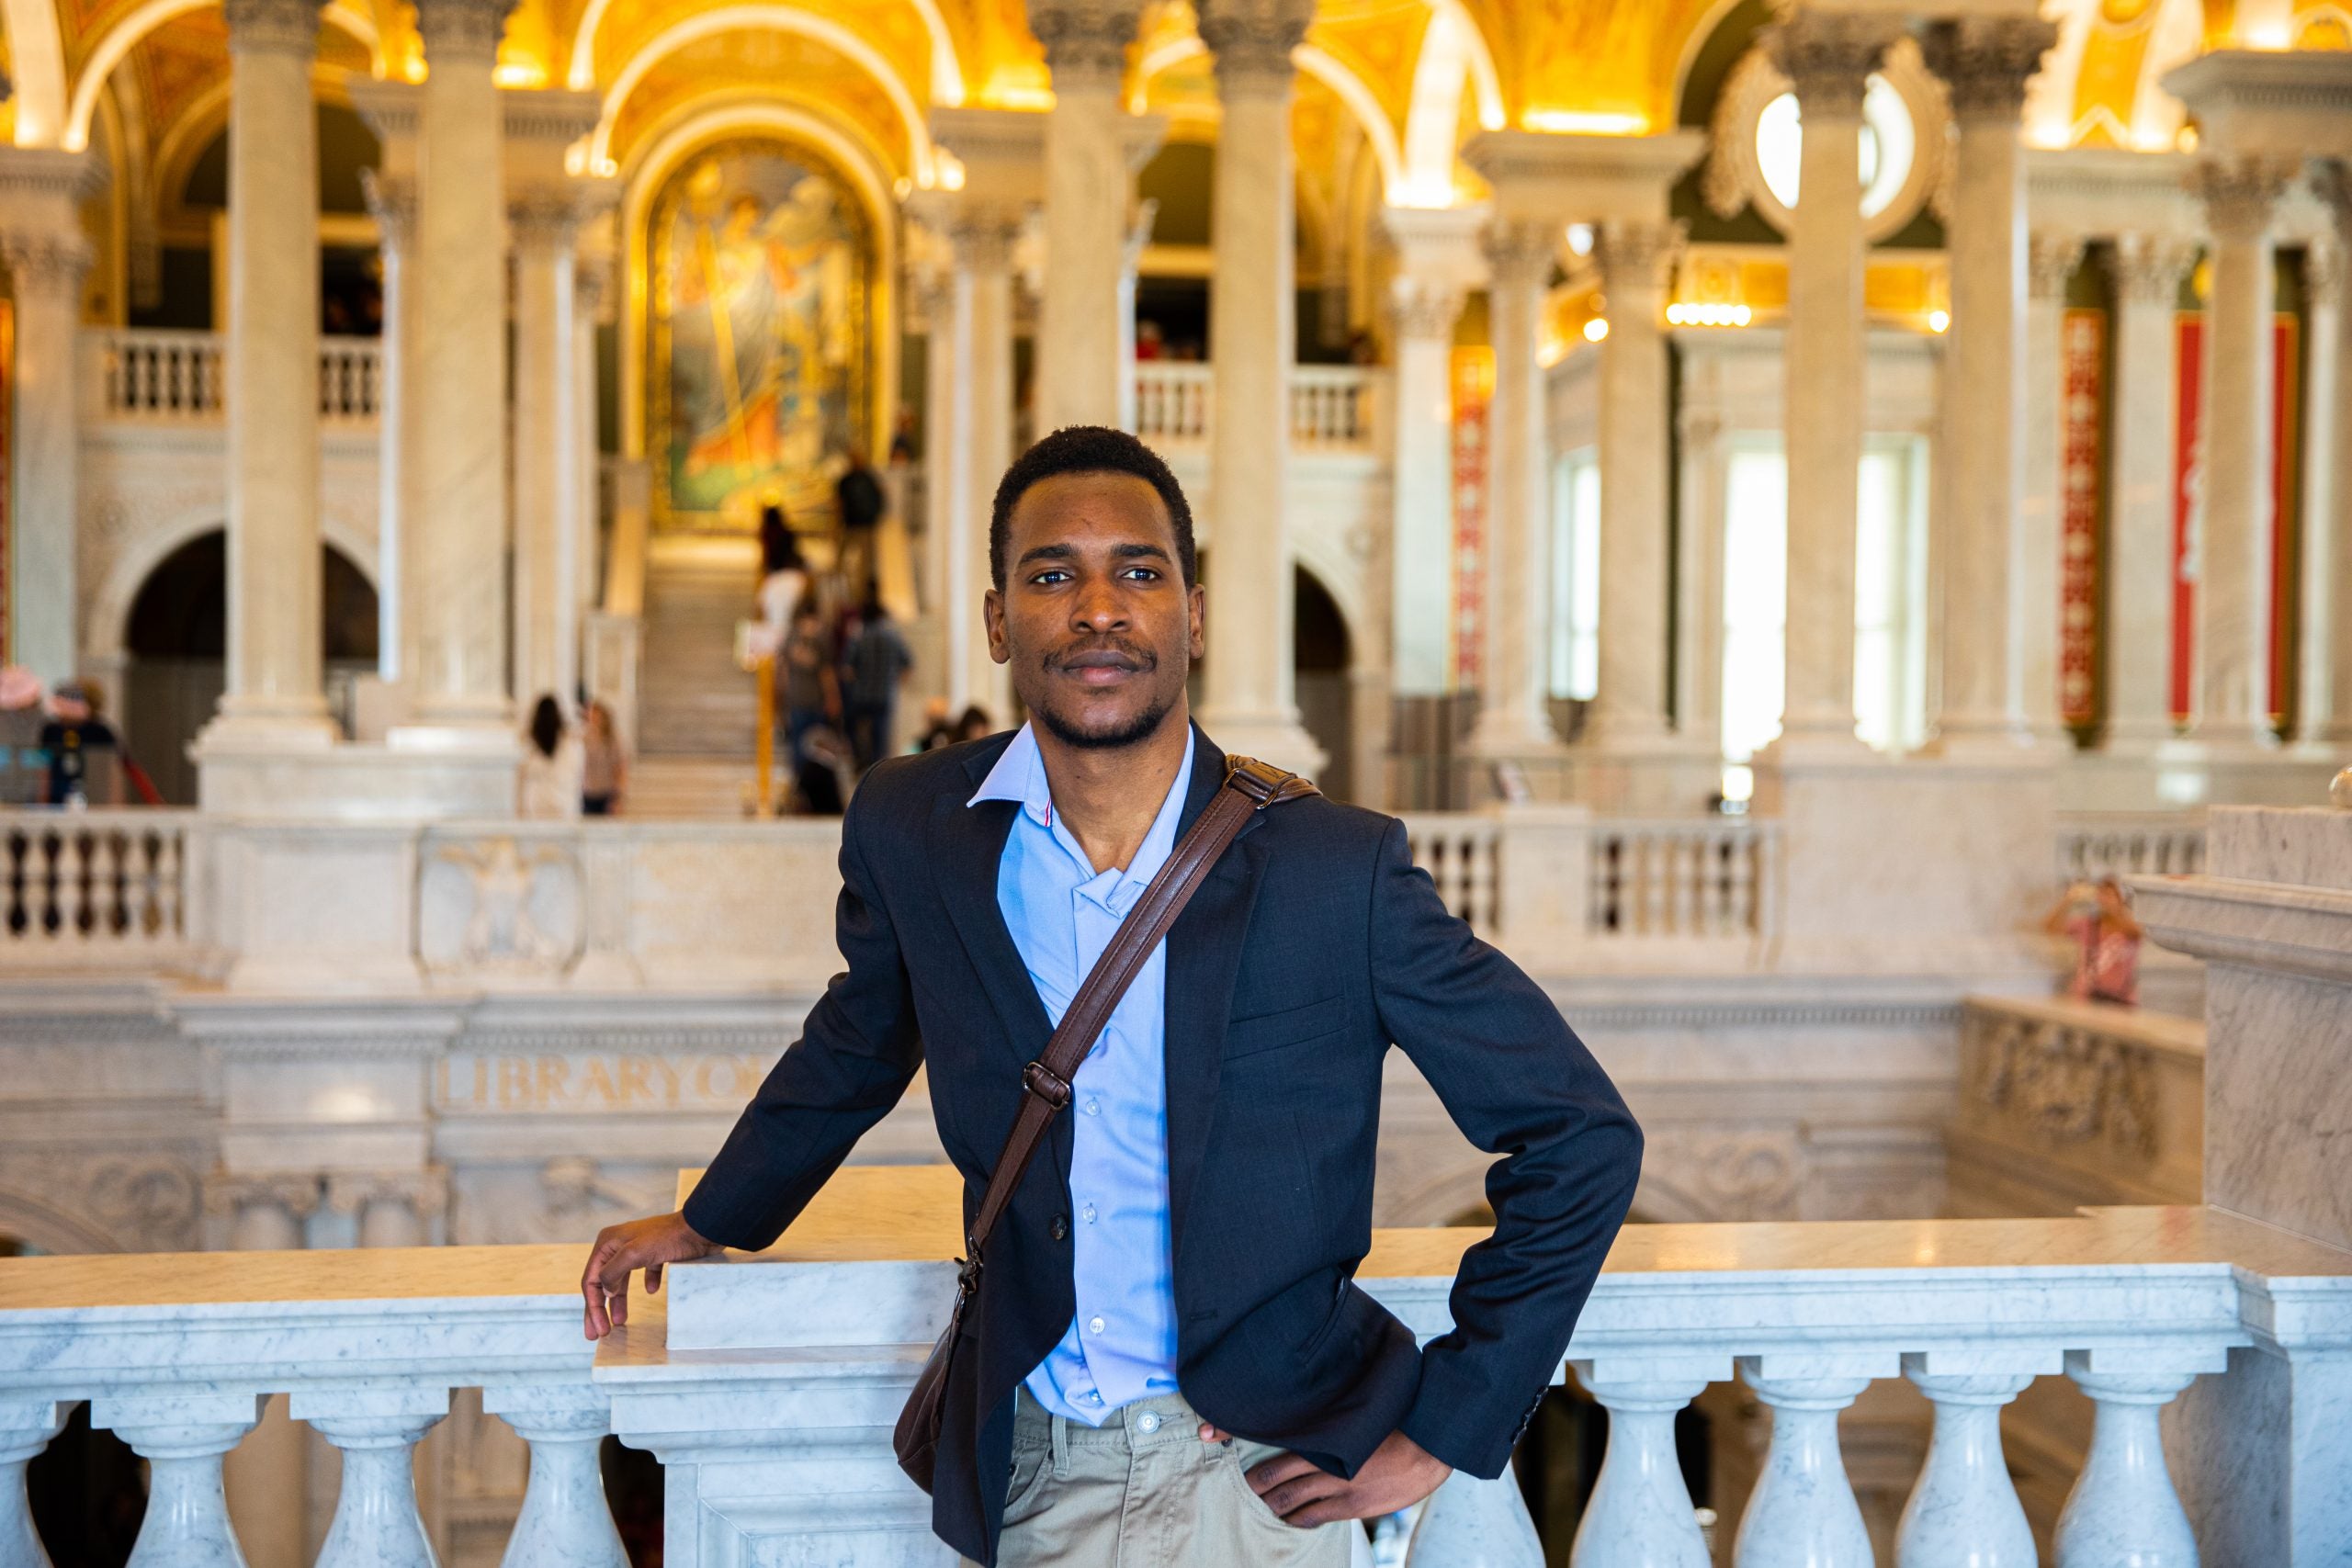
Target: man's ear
<point>992,617</point>
<point>1196,615</point>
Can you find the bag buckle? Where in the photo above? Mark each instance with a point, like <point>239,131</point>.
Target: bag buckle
<point>1046,1084</point>
<point>967,1273</point>
<point>1262,781</point>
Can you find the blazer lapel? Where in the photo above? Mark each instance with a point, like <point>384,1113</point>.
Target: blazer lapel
<point>967,841</point>
<point>1204,949</point>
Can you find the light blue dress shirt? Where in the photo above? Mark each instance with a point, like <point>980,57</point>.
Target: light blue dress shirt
<point>1121,1344</point>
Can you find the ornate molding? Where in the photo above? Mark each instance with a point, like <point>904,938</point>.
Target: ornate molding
<point>1085,39</point>
<point>2240,194</point>
<point>1521,252</point>
<point>1987,61</point>
<point>1637,254</point>
<point>298,1192</point>
<point>543,218</point>
<point>1424,306</point>
<point>462,29</point>
<point>2147,268</point>
<point>1829,57</point>
<point>1252,41</point>
<point>289,27</point>
<point>2050,258</point>
<point>426,1191</point>
<point>984,237</point>
<point>1733,178</point>
<point>2323,272</point>
<point>45,263</point>
<point>392,199</point>
<point>134,1200</point>
<point>2070,1085</point>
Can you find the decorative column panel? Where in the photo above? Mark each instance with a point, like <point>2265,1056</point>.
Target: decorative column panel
<point>42,244</point>
<point>1629,707</point>
<point>1989,600</point>
<point>2138,609</point>
<point>1512,718</point>
<point>1827,59</point>
<point>2324,696</point>
<point>1436,262</point>
<point>2234,591</point>
<point>458,594</point>
<point>984,237</point>
<point>2031,697</point>
<point>1247,684</point>
<point>390,111</point>
<point>1087,198</point>
<point>543,208</point>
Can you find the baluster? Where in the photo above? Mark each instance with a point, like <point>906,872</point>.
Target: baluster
<point>182,1437</point>
<point>2123,1508</point>
<point>1486,882</point>
<point>565,1521</point>
<point>26,1428</point>
<point>171,850</point>
<point>375,1522</point>
<point>1658,880</point>
<point>1604,860</point>
<point>1471,1523</point>
<point>1963,1511</point>
<point>1802,1513</point>
<point>1689,882</point>
<point>74,857</point>
<point>44,878</point>
<point>1640,1516</point>
<point>109,882</point>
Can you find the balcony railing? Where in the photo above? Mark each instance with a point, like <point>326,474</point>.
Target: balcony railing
<point>2096,845</point>
<point>142,376</point>
<point>93,887</point>
<point>767,1386</point>
<point>1683,877</point>
<point>1333,407</point>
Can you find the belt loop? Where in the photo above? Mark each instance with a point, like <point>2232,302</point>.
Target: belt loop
<point>1060,1444</point>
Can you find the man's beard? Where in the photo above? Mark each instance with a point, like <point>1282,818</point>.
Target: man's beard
<point>1141,726</point>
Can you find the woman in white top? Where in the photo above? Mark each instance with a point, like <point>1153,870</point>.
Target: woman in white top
<point>784,582</point>
<point>548,782</point>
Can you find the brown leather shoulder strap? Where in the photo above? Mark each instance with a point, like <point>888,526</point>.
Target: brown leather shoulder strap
<point>1249,787</point>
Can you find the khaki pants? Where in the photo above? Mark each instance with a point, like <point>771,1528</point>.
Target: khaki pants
<point>1143,1491</point>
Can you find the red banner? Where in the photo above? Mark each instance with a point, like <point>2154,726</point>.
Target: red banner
<point>1472,385</point>
<point>2285,425</point>
<point>2081,460</point>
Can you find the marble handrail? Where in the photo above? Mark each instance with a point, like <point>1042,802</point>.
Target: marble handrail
<point>768,1382</point>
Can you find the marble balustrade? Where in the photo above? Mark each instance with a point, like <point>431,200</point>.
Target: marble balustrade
<point>767,1383</point>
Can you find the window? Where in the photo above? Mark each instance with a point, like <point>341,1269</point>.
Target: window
<point>1887,146</point>
<point>1756,564</point>
<point>1576,575</point>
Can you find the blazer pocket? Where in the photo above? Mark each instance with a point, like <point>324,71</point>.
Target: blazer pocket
<point>1290,1026</point>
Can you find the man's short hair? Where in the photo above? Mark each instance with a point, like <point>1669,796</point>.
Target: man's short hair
<point>1088,449</point>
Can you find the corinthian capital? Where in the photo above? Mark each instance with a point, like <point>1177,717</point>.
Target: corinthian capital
<point>1636,253</point>
<point>1085,38</point>
<point>2240,193</point>
<point>391,200</point>
<point>1522,251</point>
<point>278,26</point>
<point>1424,306</point>
<point>1987,61</point>
<point>461,29</point>
<point>2148,269</point>
<point>1252,39</point>
<point>2050,258</point>
<point>1828,57</point>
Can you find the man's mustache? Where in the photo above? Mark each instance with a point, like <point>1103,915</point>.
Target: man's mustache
<point>1111,653</point>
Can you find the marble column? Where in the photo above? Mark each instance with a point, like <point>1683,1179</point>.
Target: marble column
<point>46,254</point>
<point>984,237</point>
<point>951,594</point>
<point>1139,236</point>
<point>458,592</point>
<point>1512,722</point>
<point>1829,59</point>
<point>1247,704</point>
<point>276,692</point>
<point>1989,586</point>
<point>1629,705</point>
<point>2137,651</point>
<point>1438,261</point>
<point>1087,197</point>
<point>2233,641</point>
<point>390,111</point>
<point>592,300</point>
<point>545,629</point>
<point>2031,697</point>
<point>2324,696</point>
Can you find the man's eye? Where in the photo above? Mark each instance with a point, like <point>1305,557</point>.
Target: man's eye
<point>1049,576</point>
<point>1144,573</point>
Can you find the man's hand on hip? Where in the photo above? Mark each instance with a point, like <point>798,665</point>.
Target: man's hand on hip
<point>620,1251</point>
<point>1399,1473</point>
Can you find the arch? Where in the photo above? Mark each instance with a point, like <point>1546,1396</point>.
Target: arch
<point>51,1229</point>
<point>946,68</point>
<point>783,19</point>
<point>1345,84</point>
<point>124,36</point>
<point>37,70</point>
<point>673,142</point>
<point>108,626</point>
<point>1433,119</point>
<point>1485,81</point>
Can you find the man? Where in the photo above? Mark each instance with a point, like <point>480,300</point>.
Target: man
<point>858,495</point>
<point>1169,1360</point>
<point>872,668</point>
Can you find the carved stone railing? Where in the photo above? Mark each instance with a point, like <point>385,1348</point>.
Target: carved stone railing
<point>1333,407</point>
<point>768,1385</point>
<point>1677,877</point>
<point>140,376</point>
<point>1462,851</point>
<point>2093,846</point>
<point>84,888</point>
<point>2065,1102</point>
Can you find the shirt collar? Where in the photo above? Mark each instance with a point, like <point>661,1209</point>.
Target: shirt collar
<point>1020,776</point>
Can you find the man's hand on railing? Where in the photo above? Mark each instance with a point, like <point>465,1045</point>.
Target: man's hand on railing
<point>649,1244</point>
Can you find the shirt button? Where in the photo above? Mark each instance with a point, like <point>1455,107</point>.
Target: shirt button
<point>1093,1106</point>
<point>1094,1324</point>
<point>1060,1226</point>
<point>1093,1399</point>
<point>1088,1212</point>
<point>1147,1423</point>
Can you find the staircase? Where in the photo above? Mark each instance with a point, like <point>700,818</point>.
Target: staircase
<point>696,712</point>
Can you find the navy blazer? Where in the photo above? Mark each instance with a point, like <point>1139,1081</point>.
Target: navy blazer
<point>1312,945</point>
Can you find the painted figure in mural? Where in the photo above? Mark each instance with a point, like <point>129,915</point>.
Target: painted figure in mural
<point>763,342</point>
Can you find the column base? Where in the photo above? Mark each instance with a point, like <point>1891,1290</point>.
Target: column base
<point>1275,737</point>
<point>1500,736</point>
